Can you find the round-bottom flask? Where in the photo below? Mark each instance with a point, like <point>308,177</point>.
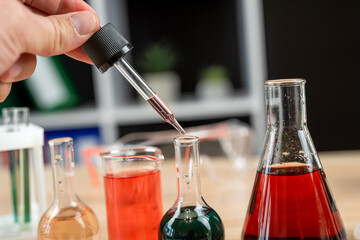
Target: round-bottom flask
<point>68,218</point>
<point>190,217</point>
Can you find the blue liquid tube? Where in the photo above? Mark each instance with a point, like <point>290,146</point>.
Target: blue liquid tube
<point>106,48</point>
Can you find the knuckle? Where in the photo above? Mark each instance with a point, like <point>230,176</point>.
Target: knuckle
<point>58,39</point>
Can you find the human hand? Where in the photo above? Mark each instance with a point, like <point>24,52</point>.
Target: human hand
<point>37,27</point>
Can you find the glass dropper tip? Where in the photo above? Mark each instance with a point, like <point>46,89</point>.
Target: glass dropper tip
<point>177,126</point>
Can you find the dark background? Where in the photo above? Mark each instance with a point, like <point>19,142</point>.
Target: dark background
<point>203,33</point>
<point>319,41</point>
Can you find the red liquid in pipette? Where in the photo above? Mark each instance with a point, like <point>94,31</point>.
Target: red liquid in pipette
<point>164,111</point>
<point>295,206</point>
<point>133,204</point>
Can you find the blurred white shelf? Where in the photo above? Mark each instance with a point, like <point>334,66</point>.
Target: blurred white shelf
<point>187,110</point>
<point>73,118</point>
<point>143,113</point>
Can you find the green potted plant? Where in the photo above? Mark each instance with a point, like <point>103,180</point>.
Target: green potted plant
<point>214,83</point>
<point>157,64</point>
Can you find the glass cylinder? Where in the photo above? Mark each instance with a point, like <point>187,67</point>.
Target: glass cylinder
<point>291,198</point>
<point>16,119</point>
<point>133,192</point>
<point>68,217</point>
<point>190,217</point>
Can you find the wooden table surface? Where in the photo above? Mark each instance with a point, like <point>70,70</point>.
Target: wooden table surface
<point>224,188</point>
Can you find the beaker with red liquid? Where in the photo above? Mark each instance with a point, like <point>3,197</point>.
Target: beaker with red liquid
<point>291,198</point>
<point>133,192</point>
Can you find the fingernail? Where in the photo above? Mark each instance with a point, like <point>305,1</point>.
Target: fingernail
<point>84,22</point>
<point>13,71</point>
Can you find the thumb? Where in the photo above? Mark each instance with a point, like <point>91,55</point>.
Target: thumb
<point>57,34</point>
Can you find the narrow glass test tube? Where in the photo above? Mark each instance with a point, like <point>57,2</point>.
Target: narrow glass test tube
<point>16,119</point>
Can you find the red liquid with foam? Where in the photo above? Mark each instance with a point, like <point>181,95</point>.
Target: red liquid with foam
<point>292,203</point>
<point>133,204</point>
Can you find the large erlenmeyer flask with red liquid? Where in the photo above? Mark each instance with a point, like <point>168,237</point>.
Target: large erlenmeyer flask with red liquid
<point>291,198</point>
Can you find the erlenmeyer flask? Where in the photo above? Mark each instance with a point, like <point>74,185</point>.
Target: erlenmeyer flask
<point>190,217</point>
<point>291,198</point>
<point>68,218</point>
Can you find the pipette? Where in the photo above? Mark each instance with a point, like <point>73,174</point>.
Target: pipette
<point>106,48</point>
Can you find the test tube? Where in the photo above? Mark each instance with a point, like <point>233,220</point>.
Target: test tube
<point>16,119</point>
<point>106,48</point>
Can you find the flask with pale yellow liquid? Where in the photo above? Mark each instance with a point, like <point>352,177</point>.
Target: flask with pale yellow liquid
<point>68,217</point>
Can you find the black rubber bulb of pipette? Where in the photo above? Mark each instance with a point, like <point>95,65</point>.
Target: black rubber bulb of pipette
<point>106,47</point>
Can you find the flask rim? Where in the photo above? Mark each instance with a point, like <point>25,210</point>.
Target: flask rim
<point>59,141</point>
<point>288,82</point>
<point>186,140</point>
<point>131,153</point>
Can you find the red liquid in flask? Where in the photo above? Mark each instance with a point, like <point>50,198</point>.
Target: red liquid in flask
<point>292,203</point>
<point>133,204</point>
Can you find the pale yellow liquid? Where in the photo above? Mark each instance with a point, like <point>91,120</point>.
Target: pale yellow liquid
<point>70,223</point>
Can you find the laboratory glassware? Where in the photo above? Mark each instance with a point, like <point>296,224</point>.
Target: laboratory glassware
<point>190,217</point>
<point>68,218</point>
<point>234,137</point>
<point>17,119</point>
<point>106,48</point>
<point>291,197</point>
<point>133,192</point>
<point>21,146</point>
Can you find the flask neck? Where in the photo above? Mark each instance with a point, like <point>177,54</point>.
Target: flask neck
<point>287,140</point>
<point>62,161</point>
<point>286,106</point>
<point>187,163</point>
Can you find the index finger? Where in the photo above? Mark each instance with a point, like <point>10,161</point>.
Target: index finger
<point>79,55</point>
<point>58,6</point>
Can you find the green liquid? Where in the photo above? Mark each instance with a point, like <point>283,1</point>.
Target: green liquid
<point>190,223</point>
<point>24,158</point>
<point>13,168</point>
